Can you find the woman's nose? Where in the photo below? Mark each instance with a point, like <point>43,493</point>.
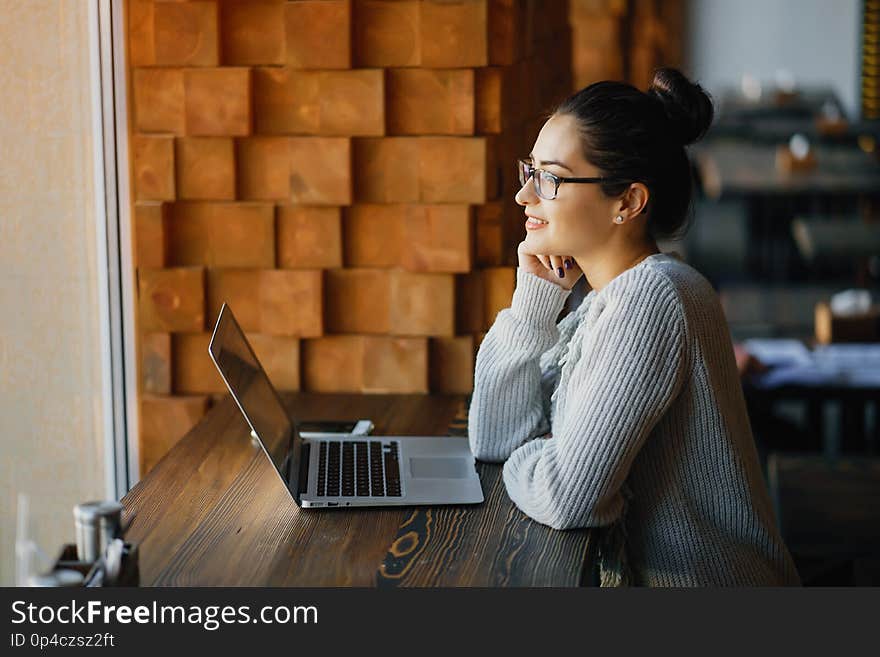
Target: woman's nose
<point>525,195</point>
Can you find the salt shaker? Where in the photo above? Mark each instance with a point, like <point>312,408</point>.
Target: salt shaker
<point>97,523</point>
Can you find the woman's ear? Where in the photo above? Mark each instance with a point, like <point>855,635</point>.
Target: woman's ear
<point>635,200</point>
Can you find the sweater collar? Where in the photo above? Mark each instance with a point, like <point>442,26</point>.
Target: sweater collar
<point>653,258</point>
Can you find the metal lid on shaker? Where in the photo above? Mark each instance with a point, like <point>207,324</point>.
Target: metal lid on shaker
<point>91,511</point>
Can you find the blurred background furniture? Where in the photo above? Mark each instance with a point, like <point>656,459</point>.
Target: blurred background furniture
<point>829,514</point>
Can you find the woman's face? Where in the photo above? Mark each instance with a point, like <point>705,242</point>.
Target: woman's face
<point>580,218</point>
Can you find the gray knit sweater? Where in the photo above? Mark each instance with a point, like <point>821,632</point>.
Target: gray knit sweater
<point>635,391</point>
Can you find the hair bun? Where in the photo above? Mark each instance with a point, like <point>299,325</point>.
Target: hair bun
<point>686,104</point>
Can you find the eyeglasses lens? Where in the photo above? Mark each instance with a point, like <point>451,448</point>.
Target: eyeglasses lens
<point>545,185</point>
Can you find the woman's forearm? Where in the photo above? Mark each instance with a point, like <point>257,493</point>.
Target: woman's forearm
<point>508,405</point>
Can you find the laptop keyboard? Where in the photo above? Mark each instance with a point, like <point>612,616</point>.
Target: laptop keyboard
<point>358,468</point>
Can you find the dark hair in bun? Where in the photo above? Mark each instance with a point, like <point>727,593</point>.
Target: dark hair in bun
<point>639,136</point>
<point>687,106</point>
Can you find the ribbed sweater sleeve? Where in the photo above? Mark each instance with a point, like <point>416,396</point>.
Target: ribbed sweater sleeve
<point>629,372</point>
<point>509,402</point>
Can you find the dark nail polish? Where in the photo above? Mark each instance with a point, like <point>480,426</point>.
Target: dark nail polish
<point>561,272</point>
<point>568,264</point>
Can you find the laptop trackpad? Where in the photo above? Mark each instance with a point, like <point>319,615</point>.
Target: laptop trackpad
<point>433,467</point>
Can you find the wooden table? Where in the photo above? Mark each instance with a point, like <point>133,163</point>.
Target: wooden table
<point>212,513</point>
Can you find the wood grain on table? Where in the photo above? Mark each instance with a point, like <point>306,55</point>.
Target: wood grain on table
<point>213,512</point>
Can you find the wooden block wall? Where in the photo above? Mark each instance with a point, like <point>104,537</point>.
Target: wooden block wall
<point>657,36</point>
<point>342,174</point>
<point>624,39</point>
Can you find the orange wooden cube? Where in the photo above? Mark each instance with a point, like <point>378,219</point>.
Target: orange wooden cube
<point>284,104</point>
<point>358,300</point>
<point>185,34</point>
<point>150,234</point>
<point>598,29</point>
<point>454,34</point>
<point>469,303</point>
<point>493,100</point>
<point>395,365</point>
<point>263,168</point>
<point>318,34</point>
<point>158,100</point>
<point>368,364</point>
<point>155,363</point>
<point>386,169</point>
<point>386,33</point>
<point>505,31</point>
<point>593,64</point>
<point>218,101</point>
<point>320,170</point>
<point>453,169</point>
<point>351,103</point>
<point>333,363</point>
<point>451,364</point>
<point>171,300</point>
<point>164,420</point>
<point>271,301</point>
<point>309,238</point>
<point>252,32</point>
<point>153,168</point>
<point>221,234</point>
<point>490,234</point>
<point>422,304</point>
<point>205,168</point>
<point>509,148</point>
<point>438,238</point>
<point>279,356</point>
<point>374,234</point>
<point>430,101</point>
<point>194,371</point>
<point>498,286</point>
<point>325,103</point>
<point>141,33</point>
<point>495,168</point>
<point>588,8</point>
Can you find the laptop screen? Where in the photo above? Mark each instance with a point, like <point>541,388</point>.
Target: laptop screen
<point>255,396</point>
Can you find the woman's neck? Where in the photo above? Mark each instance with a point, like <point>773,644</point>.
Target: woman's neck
<point>601,268</point>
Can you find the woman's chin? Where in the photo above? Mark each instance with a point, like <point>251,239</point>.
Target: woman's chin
<point>537,237</point>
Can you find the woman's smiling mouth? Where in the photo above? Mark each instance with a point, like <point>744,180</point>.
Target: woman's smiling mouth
<point>533,223</point>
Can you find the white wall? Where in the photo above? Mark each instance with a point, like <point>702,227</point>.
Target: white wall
<point>817,40</point>
<point>51,405</point>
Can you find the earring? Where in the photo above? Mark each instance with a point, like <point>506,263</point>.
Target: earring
<point>618,219</point>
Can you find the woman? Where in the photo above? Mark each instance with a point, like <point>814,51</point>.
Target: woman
<point>628,414</point>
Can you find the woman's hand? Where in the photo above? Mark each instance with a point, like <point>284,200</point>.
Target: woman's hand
<point>548,266</point>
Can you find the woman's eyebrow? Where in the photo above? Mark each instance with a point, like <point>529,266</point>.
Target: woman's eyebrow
<point>559,164</point>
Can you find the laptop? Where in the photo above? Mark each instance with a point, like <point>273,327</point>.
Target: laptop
<point>322,470</point>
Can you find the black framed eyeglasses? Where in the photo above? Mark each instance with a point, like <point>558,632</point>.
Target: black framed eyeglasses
<point>547,184</point>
